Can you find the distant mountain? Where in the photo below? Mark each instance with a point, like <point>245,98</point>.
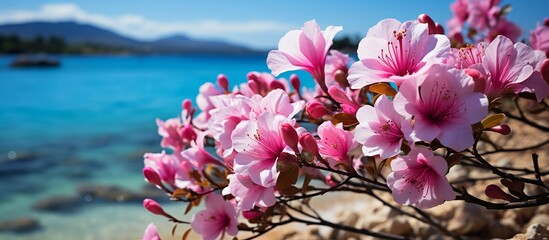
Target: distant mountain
<point>81,34</point>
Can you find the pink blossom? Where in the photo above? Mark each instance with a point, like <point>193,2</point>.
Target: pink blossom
<point>249,194</point>
<point>262,83</point>
<point>166,165</point>
<point>174,134</point>
<point>482,13</point>
<point>394,51</point>
<point>505,28</point>
<point>258,144</point>
<point>204,103</point>
<point>444,107</point>
<point>198,154</point>
<point>219,217</point>
<point>151,233</point>
<point>303,49</point>
<point>469,55</point>
<point>419,179</point>
<point>228,112</point>
<point>277,101</point>
<point>509,65</point>
<point>539,38</point>
<point>336,61</point>
<point>335,143</point>
<point>381,129</point>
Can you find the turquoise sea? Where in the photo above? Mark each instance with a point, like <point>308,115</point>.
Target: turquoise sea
<point>89,122</point>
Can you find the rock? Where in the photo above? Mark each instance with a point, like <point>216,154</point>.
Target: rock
<point>520,215</point>
<point>505,228</point>
<point>397,225</point>
<point>376,217</point>
<point>534,232</point>
<point>420,229</point>
<point>312,233</point>
<point>539,219</point>
<point>457,173</point>
<point>468,218</point>
<point>348,219</point>
<point>58,204</point>
<point>20,225</point>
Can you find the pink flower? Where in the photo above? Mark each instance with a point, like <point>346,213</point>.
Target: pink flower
<point>336,61</point>
<point>419,179</point>
<point>249,194</point>
<point>166,165</point>
<point>174,134</point>
<point>204,103</point>
<point>505,28</point>
<point>381,129</point>
<point>303,49</point>
<point>539,38</point>
<point>482,13</point>
<point>278,102</point>
<point>151,233</point>
<point>508,67</point>
<point>258,144</point>
<point>335,143</point>
<point>444,107</point>
<point>219,217</point>
<point>469,55</point>
<point>394,51</point>
<point>198,154</point>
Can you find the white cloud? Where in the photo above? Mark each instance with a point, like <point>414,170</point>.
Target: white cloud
<point>140,27</point>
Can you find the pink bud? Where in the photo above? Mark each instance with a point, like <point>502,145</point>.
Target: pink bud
<point>155,208</point>
<point>276,85</point>
<point>253,86</point>
<point>329,181</point>
<point>546,22</point>
<point>289,135</point>
<point>296,83</point>
<point>495,192</point>
<point>152,176</point>
<point>502,129</point>
<point>223,82</point>
<point>308,142</point>
<point>252,76</point>
<point>439,29</point>
<point>339,95</point>
<point>424,18</point>
<point>478,79</point>
<point>187,104</point>
<point>252,214</point>
<point>544,69</point>
<point>316,109</point>
<point>188,133</point>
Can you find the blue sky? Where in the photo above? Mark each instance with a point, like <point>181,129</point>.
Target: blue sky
<point>258,24</point>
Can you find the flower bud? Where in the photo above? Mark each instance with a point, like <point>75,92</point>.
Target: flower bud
<point>439,29</point>
<point>289,135</point>
<point>253,86</point>
<point>223,82</point>
<point>188,133</point>
<point>187,105</point>
<point>544,69</point>
<point>155,208</point>
<point>152,176</point>
<point>339,95</point>
<point>329,181</point>
<point>502,129</point>
<point>340,77</point>
<point>495,192</point>
<point>424,18</point>
<point>296,83</point>
<point>316,109</point>
<point>252,214</point>
<point>308,142</point>
<point>276,85</point>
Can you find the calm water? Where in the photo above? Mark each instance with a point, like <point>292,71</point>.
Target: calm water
<point>90,121</point>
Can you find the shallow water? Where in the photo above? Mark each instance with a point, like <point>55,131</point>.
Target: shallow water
<point>90,121</point>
